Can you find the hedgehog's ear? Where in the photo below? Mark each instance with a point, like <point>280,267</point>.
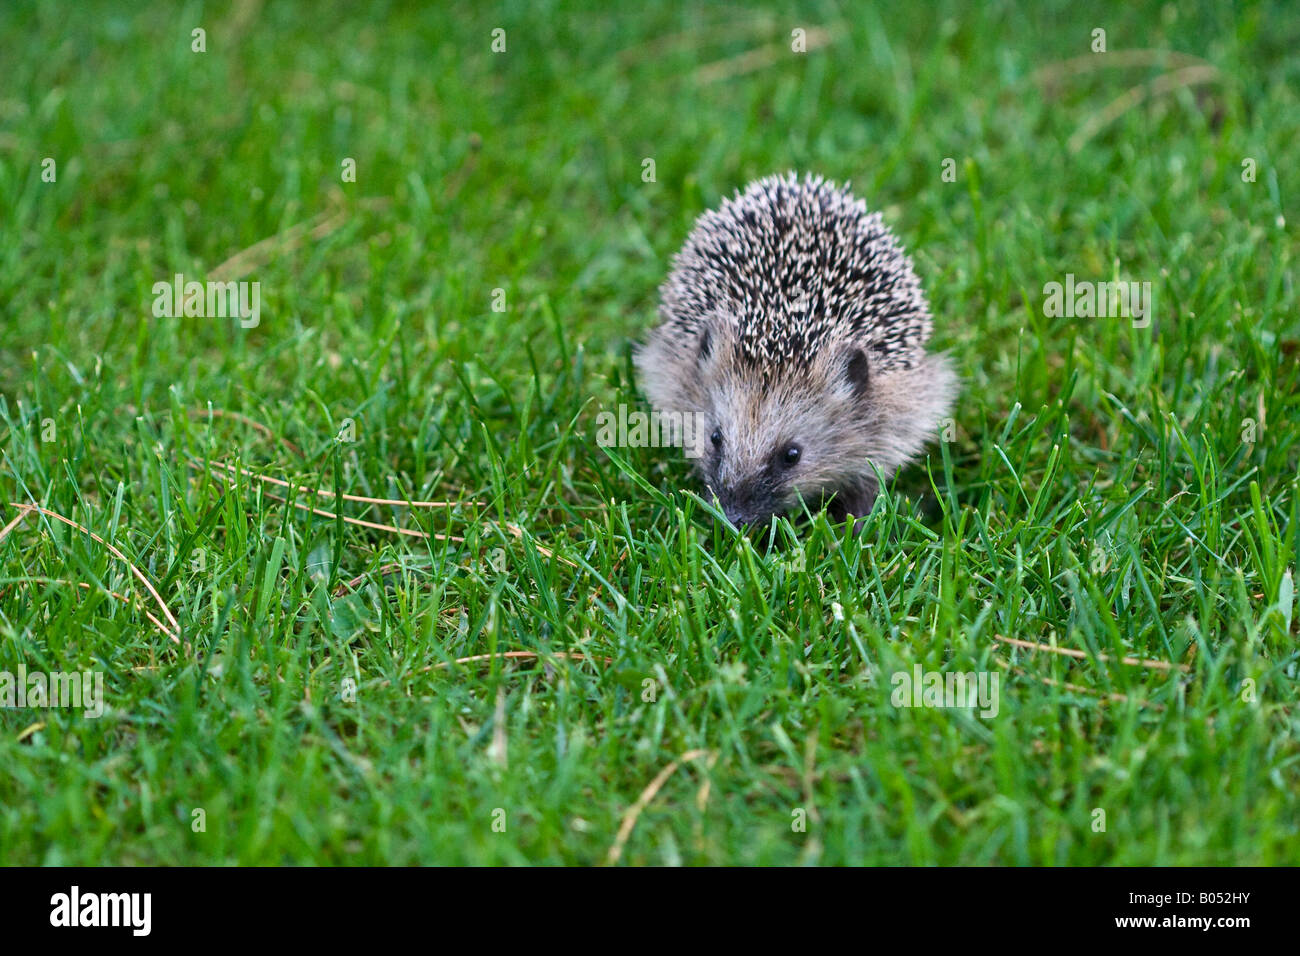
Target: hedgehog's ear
<point>857,372</point>
<point>705,346</point>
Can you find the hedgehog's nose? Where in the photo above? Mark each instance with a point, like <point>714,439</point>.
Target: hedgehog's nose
<point>740,506</point>
<point>737,516</point>
<point>725,498</point>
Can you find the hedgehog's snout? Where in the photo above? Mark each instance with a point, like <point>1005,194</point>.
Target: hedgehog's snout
<point>740,517</point>
<point>745,503</point>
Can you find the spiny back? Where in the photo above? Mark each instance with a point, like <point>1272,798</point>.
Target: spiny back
<point>793,265</point>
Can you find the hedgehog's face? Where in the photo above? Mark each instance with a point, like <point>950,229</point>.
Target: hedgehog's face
<point>766,447</point>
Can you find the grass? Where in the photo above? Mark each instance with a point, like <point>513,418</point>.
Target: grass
<point>694,695</point>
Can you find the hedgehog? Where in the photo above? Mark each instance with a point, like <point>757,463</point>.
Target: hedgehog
<point>792,331</point>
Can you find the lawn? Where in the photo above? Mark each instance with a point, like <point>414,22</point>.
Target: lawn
<point>565,658</point>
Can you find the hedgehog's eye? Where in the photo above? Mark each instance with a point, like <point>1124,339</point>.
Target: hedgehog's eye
<point>716,438</point>
<point>791,456</point>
